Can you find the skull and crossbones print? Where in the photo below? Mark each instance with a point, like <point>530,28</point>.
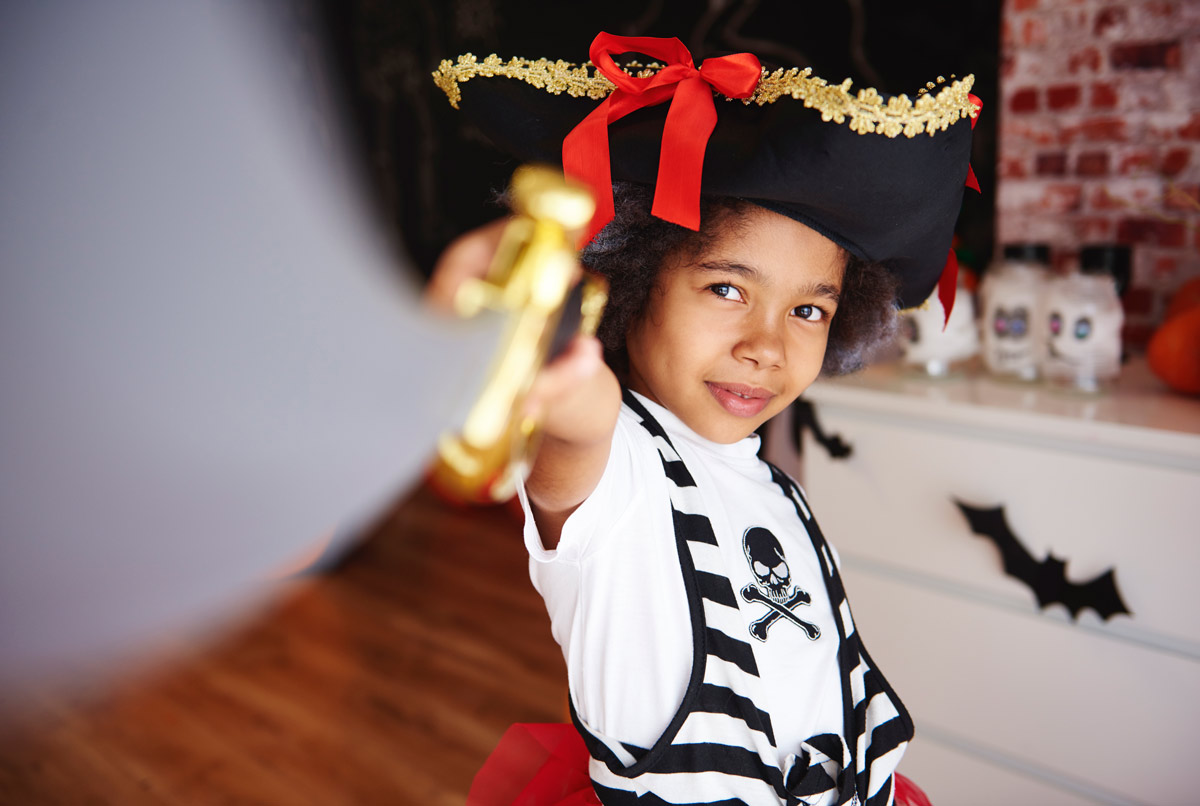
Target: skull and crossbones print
<point>773,584</point>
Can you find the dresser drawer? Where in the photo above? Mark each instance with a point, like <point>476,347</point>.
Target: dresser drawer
<point>893,500</point>
<point>1033,695</point>
<point>951,774</point>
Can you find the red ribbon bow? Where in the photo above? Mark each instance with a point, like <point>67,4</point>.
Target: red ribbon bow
<point>690,121</point>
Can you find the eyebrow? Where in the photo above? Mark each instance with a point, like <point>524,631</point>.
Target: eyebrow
<point>817,289</point>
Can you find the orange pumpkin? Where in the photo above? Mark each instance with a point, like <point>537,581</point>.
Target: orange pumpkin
<point>1174,351</point>
<point>1186,297</point>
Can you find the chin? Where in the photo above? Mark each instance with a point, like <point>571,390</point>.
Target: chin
<point>727,433</point>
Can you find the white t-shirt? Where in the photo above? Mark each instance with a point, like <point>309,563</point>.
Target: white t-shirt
<point>614,590</point>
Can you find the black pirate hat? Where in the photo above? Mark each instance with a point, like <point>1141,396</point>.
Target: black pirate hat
<point>881,176</point>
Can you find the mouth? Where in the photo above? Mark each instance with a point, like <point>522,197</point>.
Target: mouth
<point>1058,356</point>
<point>739,399</point>
<point>1010,356</point>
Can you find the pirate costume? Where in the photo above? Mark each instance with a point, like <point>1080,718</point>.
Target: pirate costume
<point>769,697</point>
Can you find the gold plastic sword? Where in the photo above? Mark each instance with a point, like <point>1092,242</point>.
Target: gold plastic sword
<point>529,281</point>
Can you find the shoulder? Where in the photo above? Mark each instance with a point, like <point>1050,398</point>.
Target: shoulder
<point>627,482</point>
<point>634,452</point>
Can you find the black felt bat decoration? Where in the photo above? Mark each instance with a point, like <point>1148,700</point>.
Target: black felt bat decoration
<point>804,414</point>
<point>1047,578</point>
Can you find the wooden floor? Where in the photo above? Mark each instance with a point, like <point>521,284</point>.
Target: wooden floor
<point>387,680</point>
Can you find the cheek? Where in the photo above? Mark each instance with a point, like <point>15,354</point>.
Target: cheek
<point>654,351</point>
<point>635,350</point>
<point>809,356</point>
<point>812,346</point>
<point>674,333</point>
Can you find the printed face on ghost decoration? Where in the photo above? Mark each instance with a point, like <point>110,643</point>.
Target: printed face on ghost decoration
<point>1083,339</point>
<point>1010,326</point>
<point>933,343</point>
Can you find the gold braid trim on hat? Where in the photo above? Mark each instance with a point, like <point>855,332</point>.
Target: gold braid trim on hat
<point>866,110</point>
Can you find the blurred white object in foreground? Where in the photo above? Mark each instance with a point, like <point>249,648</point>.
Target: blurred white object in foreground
<point>207,359</point>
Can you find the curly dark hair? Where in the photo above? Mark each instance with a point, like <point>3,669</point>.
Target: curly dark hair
<point>631,250</point>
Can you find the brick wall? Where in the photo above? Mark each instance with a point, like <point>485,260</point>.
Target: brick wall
<point>1099,137</point>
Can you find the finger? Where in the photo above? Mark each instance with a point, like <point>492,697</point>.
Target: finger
<point>467,256</point>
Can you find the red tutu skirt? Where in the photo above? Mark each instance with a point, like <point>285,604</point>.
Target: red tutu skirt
<point>535,765</point>
<point>547,765</point>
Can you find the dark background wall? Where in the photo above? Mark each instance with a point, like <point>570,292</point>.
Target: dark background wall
<point>433,175</point>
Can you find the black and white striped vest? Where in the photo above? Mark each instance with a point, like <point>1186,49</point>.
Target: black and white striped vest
<point>686,765</point>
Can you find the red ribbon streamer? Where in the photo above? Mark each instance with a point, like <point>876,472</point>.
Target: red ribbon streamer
<point>690,121</point>
<point>972,182</point>
<point>948,283</point>
<point>978,104</point>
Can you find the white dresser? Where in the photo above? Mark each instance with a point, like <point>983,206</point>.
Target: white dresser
<point>1015,704</point>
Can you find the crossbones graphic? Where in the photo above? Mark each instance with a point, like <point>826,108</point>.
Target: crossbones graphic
<point>779,609</point>
<point>766,559</point>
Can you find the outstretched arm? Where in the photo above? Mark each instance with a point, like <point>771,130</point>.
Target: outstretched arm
<point>576,398</point>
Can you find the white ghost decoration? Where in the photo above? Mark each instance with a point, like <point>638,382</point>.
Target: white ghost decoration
<point>1011,327</point>
<point>1083,318</point>
<point>934,344</point>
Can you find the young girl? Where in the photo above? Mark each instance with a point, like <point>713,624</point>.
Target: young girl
<point>711,654</point>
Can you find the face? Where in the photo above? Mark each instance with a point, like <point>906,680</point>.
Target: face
<point>733,335</point>
<point>1084,326</point>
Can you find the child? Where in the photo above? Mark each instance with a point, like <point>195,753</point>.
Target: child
<point>710,651</point>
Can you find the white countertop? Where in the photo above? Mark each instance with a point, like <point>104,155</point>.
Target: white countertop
<point>1139,416</point>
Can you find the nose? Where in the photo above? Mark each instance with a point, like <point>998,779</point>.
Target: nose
<point>760,342</point>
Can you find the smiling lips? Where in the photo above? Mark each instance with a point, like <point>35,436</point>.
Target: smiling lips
<point>739,399</point>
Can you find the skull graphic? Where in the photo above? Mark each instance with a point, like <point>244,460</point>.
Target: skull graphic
<point>767,562</point>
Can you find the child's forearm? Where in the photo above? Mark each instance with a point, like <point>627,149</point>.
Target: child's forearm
<point>578,398</point>
<point>562,478</point>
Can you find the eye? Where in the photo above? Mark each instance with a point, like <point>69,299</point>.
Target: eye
<point>1055,323</point>
<point>809,313</point>
<point>1083,327</point>
<point>726,291</point>
<point>1000,322</point>
<point>1018,324</point>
